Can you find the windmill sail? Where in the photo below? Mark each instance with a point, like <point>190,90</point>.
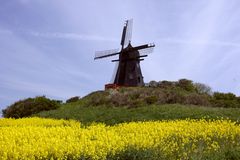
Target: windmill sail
<point>128,35</point>
<point>106,53</point>
<point>123,35</point>
<point>114,72</point>
<point>146,51</point>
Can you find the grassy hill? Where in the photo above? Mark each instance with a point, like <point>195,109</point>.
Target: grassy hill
<point>157,101</point>
<point>114,115</point>
<point>162,101</point>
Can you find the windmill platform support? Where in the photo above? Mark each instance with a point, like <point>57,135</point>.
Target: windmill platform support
<point>111,86</point>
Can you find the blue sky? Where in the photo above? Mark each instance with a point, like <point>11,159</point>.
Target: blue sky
<point>47,46</point>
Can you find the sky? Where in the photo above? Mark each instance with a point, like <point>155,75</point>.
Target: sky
<point>47,46</point>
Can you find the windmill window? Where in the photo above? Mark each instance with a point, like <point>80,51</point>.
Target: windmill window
<point>138,79</point>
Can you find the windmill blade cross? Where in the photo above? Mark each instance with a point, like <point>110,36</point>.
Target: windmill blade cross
<point>127,70</point>
<point>106,53</point>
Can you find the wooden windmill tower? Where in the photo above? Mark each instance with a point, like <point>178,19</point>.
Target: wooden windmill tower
<point>128,72</point>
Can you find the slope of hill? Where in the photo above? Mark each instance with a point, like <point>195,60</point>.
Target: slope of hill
<point>159,101</point>
<point>114,115</point>
<point>156,101</point>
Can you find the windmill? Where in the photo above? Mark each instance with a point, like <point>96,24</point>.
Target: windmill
<point>128,71</point>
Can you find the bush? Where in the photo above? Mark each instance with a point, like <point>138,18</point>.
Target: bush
<point>197,99</point>
<point>224,96</point>
<point>29,106</point>
<point>166,84</point>
<point>186,85</point>
<point>119,99</point>
<point>96,98</point>
<point>183,91</point>
<point>175,97</point>
<point>203,88</point>
<point>135,103</point>
<point>227,100</point>
<point>73,99</point>
<point>151,99</point>
<point>153,84</point>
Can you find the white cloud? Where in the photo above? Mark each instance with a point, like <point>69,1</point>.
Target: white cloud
<point>198,42</point>
<point>72,36</point>
<point>60,35</point>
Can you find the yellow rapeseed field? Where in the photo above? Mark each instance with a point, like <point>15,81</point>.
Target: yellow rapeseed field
<point>38,138</point>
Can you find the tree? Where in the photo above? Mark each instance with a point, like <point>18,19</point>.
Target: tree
<point>29,106</point>
<point>186,84</point>
<point>203,88</point>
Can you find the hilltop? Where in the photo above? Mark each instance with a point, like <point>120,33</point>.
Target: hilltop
<point>157,101</point>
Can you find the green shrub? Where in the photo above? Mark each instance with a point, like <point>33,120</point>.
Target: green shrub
<point>73,99</point>
<point>224,96</point>
<point>134,95</point>
<point>197,99</point>
<point>119,99</point>
<point>29,106</point>
<point>203,88</point>
<point>183,91</point>
<point>225,103</point>
<point>186,85</point>
<point>166,84</point>
<point>151,99</point>
<point>153,84</point>
<point>174,96</point>
<point>135,103</point>
<point>227,100</point>
<point>96,98</point>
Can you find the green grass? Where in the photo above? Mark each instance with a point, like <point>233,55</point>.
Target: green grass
<point>114,115</point>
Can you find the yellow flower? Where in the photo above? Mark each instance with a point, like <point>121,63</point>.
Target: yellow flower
<point>38,138</point>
